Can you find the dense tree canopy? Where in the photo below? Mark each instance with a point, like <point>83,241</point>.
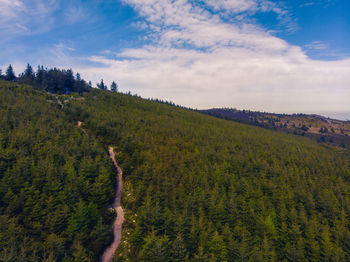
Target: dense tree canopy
<point>196,188</point>
<point>54,80</point>
<point>55,182</point>
<point>203,189</point>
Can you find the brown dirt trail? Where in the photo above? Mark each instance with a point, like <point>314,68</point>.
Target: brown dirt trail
<point>117,226</point>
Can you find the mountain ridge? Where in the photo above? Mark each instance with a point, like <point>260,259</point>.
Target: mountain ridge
<point>317,127</point>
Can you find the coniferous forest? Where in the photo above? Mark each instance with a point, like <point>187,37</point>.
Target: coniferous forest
<point>196,188</point>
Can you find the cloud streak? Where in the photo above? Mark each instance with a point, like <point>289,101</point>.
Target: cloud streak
<point>18,17</point>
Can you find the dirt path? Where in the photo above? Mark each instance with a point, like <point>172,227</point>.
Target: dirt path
<point>117,226</point>
<point>59,102</point>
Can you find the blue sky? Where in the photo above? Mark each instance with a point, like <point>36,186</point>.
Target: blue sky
<point>279,56</point>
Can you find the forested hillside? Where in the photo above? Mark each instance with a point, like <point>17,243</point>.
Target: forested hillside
<point>55,182</point>
<point>196,188</point>
<point>204,189</point>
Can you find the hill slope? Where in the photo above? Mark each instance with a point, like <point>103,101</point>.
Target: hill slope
<point>196,188</point>
<point>322,129</point>
<point>206,188</point>
<point>55,182</point>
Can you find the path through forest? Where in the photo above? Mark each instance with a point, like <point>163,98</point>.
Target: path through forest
<point>117,226</point>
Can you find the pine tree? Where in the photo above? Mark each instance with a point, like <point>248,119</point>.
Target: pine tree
<point>155,249</point>
<point>326,245</point>
<point>101,85</point>
<point>10,74</point>
<point>114,87</point>
<point>136,238</point>
<point>79,253</point>
<point>78,77</point>
<point>28,72</point>
<point>69,81</point>
<point>28,75</point>
<point>178,249</point>
<point>217,248</point>
<point>78,83</point>
<point>201,256</point>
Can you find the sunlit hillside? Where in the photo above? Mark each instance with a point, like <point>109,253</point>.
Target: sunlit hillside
<point>196,188</point>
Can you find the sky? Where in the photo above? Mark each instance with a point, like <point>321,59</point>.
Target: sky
<point>287,56</point>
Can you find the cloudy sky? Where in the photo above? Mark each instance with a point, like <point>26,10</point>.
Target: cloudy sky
<point>279,56</point>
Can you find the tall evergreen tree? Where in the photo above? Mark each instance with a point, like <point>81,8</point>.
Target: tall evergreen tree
<point>28,72</point>
<point>178,250</point>
<point>217,248</point>
<point>40,75</point>
<point>114,87</point>
<point>101,85</point>
<point>10,74</point>
<point>78,77</point>
<point>155,248</point>
<point>69,81</point>
<point>79,83</point>
<point>28,75</point>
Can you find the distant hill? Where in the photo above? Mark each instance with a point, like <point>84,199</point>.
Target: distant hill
<point>320,128</point>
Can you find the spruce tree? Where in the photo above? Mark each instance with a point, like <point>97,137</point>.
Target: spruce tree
<point>10,74</point>
<point>114,87</point>
<point>78,77</point>
<point>28,75</point>
<point>155,248</point>
<point>217,248</point>
<point>28,72</point>
<point>101,85</point>
<point>178,250</point>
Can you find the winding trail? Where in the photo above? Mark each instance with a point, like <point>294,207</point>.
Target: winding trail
<point>117,226</point>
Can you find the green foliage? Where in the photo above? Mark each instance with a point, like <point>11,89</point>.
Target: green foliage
<point>10,74</point>
<point>218,190</point>
<point>197,188</point>
<point>155,249</point>
<point>50,208</point>
<point>114,87</point>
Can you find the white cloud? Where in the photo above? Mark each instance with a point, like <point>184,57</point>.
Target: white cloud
<point>8,8</point>
<point>19,17</point>
<point>227,64</point>
<point>235,6</point>
<point>317,45</point>
<point>179,22</point>
<point>29,17</point>
<point>75,12</point>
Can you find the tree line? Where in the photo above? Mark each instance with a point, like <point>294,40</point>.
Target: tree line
<point>54,80</point>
